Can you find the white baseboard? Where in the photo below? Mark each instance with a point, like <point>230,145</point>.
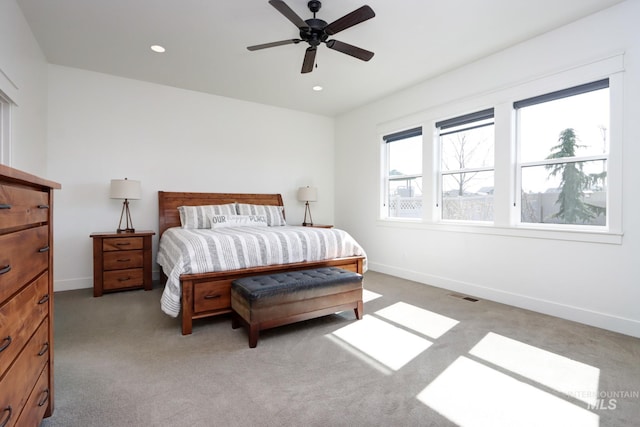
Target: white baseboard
<point>577,314</point>
<point>83,283</point>
<point>72,284</point>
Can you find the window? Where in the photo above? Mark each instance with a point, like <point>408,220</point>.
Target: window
<point>467,166</point>
<point>563,142</point>
<point>403,174</point>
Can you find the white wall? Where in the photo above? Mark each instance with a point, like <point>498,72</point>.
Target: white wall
<point>102,127</point>
<point>594,283</point>
<point>23,79</point>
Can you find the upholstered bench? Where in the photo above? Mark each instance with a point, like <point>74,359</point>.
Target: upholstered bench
<point>270,300</point>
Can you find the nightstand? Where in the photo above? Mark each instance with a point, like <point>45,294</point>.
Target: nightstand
<point>319,226</point>
<point>121,261</point>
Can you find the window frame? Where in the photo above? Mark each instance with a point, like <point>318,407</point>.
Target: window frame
<point>520,165</point>
<point>507,211</point>
<point>454,122</point>
<point>388,139</point>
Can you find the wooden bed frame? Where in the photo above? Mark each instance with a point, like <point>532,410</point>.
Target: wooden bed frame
<point>209,294</point>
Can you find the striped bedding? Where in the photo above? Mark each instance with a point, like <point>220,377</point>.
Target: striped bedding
<point>192,251</point>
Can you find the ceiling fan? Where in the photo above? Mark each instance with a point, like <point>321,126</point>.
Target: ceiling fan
<point>315,31</point>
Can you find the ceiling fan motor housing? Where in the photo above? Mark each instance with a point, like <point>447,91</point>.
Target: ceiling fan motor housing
<point>314,34</point>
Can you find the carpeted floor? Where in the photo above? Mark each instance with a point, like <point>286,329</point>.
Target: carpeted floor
<point>420,357</point>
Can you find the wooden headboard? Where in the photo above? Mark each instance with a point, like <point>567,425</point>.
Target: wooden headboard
<point>168,203</point>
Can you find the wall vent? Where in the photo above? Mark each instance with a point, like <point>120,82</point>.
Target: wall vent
<point>464,297</point>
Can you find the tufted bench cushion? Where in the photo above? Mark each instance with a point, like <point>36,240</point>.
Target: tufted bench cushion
<point>271,300</point>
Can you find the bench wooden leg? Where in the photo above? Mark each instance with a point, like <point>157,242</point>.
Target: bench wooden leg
<point>253,335</point>
<point>235,320</point>
<point>359,310</point>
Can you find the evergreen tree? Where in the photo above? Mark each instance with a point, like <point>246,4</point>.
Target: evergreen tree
<point>572,208</point>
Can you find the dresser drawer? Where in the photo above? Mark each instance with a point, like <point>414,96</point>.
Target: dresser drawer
<point>21,206</point>
<point>120,260</point>
<point>20,379</point>
<point>212,296</point>
<point>38,401</point>
<point>23,256</point>
<point>20,317</point>
<point>122,243</point>
<point>120,279</point>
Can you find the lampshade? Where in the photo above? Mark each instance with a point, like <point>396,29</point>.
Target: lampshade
<point>307,194</point>
<point>125,189</point>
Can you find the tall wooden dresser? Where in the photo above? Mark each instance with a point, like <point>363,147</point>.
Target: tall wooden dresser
<point>26,298</point>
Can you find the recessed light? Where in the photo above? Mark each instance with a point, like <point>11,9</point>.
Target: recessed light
<point>317,88</point>
<point>157,48</point>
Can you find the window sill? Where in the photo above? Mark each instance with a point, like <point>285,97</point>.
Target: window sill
<point>578,235</point>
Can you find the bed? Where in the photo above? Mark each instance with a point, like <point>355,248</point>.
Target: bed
<point>196,294</point>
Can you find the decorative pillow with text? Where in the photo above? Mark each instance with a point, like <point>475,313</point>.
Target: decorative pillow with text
<point>274,214</point>
<point>199,216</point>
<point>224,221</point>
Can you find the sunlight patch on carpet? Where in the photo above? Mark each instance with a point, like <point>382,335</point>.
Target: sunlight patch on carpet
<point>387,344</point>
<point>423,321</point>
<point>558,372</point>
<point>471,394</point>
<point>369,295</point>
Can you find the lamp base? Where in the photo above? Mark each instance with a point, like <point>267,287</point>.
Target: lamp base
<point>127,215</point>
<point>307,210</point>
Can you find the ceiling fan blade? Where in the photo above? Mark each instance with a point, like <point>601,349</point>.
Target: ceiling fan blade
<point>350,19</point>
<point>288,13</point>
<point>309,60</point>
<point>273,44</point>
<point>351,50</point>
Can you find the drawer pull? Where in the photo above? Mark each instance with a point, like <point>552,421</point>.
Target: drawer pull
<point>44,349</point>
<point>5,269</point>
<point>5,206</point>
<point>6,342</point>
<point>44,249</point>
<point>8,411</point>
<point>45,397</point>
<point>212,296</point>
<point>44,299</point>
<point>123,243</point>
<point>43,206</point>
<point>124,260</point>
<point>124,279</point>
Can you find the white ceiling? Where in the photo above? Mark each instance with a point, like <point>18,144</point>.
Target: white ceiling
<point>206,42</point>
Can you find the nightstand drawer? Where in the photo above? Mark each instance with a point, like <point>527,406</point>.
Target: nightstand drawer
<point>122,243</point>
<point>121,279</point>
<point>120,260</point>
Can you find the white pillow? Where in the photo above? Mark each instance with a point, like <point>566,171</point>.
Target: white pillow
<point>223,221</point>
<point>274,214</point>
<point>199,216</point>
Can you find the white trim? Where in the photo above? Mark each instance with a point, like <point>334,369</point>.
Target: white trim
<point>589,317</point>
<point>577,234</point>
<point>9,87</point>
<point>5,130</point>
